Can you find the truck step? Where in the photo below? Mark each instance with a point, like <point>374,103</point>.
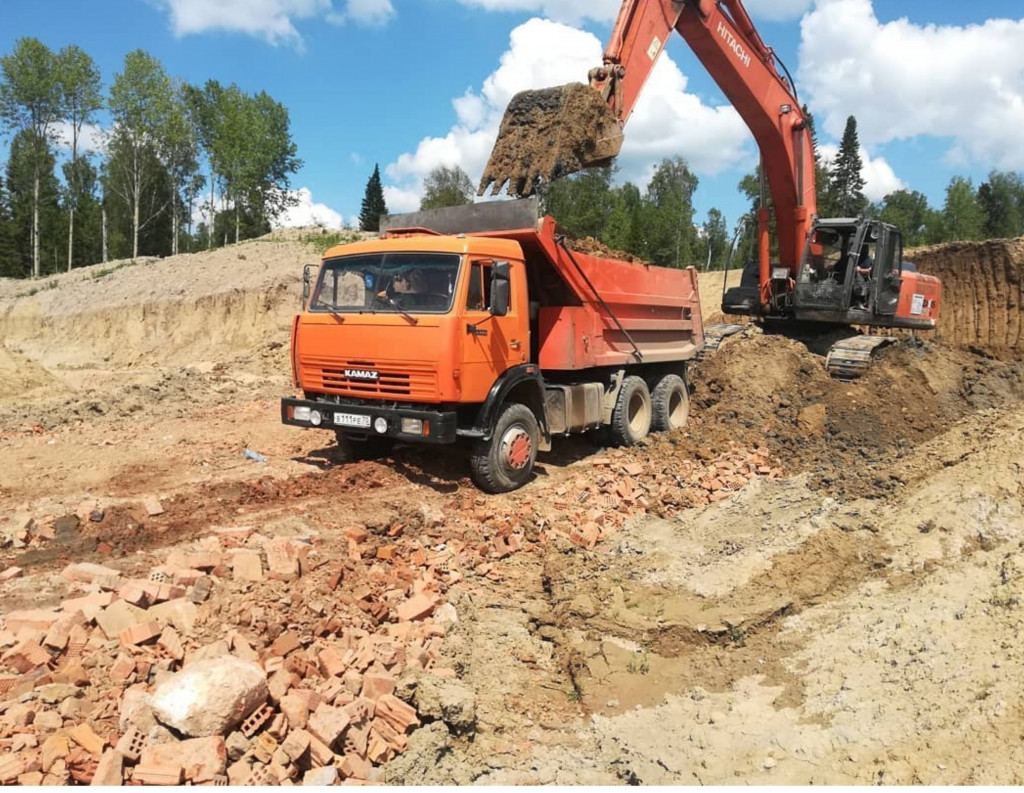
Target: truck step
<point>850,358</point>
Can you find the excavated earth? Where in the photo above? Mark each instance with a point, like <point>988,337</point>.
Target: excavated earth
<point>814,582</point>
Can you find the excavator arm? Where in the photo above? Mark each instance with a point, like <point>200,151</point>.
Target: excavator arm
<point>553,139</point>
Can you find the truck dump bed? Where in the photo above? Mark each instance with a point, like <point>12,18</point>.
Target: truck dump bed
<point>595,311</point>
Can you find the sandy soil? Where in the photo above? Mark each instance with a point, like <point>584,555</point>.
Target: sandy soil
<point>853,617</point>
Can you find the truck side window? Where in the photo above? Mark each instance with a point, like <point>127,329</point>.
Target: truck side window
<point>479,296</point>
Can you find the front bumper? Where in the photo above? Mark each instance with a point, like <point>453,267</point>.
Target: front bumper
<point>442,423</point>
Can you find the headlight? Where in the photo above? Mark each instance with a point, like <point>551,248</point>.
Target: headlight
<point>300,413</point>
<point>380,424</point>
<point>780,273</point>
<point>412,426</point>
<point>315,418</point>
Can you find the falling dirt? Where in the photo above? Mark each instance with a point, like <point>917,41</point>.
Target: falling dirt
<point>549,133</point>
<point>813,582</point>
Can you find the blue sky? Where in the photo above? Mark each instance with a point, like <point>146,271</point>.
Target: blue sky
<point>937,87</point>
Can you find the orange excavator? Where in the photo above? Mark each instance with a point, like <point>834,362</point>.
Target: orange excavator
<point>838,272</point>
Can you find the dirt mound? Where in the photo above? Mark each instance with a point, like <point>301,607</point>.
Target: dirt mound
<point>549,133</point>
<point>773,390</point>
<point>982,294</point>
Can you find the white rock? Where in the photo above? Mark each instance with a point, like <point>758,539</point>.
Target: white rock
<point>210,697</point>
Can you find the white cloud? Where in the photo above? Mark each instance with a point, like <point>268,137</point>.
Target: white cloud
<point>666,121</point>
<point>308,213</point>
<point>901,80</point>
<point>879,177</point>
<point>568,11</point>
<point>272,20</point>
<point>365,12</point>
<point>91,137</point>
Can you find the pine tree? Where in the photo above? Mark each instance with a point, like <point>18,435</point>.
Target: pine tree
<point>373,203</point>
<point>845,196</point>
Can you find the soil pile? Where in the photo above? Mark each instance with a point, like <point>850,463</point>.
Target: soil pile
<point>549,133</point>
<point>982,294</point>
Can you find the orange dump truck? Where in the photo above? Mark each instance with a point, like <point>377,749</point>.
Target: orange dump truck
<point>478,326</point>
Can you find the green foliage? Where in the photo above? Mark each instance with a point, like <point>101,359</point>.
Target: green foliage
<point>908,211</point>
<point>668,215</point>
<point>1002,200</point>
<point>31,102</point>
<point>962,216</point>
<point>321,242</point>
<point>373,206</point>
<point>447,187</point>
<point>844,196</point>
<point>715,235</point>
<point>582,202</point>
<point>141,98</point>
<point>27,158</point>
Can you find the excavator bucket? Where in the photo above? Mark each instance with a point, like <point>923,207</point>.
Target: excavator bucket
<point>549,133</point>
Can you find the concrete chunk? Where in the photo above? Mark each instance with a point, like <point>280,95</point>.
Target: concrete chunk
<point>210,697</point>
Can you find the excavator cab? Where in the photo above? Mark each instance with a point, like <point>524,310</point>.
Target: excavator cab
<point>850,271</point>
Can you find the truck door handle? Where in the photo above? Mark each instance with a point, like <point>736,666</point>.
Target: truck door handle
<point>515,345</point>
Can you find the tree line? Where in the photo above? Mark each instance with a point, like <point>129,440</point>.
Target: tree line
<point>657,224</point>
<point>171,148</point>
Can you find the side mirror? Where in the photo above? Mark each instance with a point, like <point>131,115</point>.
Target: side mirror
<point>500,289</point>
<point>307,279</point>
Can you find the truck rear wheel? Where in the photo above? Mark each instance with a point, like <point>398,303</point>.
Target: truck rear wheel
<point>670,403</point>
<point>631,418</point>
<point>505,462</point>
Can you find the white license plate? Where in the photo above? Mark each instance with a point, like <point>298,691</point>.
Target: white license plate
<point>351,420</point>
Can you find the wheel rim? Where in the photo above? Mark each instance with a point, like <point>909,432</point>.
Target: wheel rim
<point>516,447</point>
<point>677,409</point>
<point>638,414</point>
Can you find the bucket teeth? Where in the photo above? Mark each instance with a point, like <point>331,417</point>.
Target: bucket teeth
<point>550,133</point>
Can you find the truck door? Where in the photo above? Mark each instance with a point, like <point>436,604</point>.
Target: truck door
<point>492,344</point>
<point>888,255</point>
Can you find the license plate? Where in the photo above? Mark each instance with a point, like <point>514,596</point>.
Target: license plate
<point>351,420</point>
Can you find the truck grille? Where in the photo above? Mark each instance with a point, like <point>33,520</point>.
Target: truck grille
<point>394,380</point>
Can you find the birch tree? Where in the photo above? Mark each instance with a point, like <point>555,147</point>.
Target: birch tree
<point>30,102</point>
<point>140,100</point>
<point>79,81</point>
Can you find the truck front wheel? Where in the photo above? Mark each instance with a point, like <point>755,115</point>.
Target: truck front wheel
<point>631,418</point>
<point>670,402</point>
<point>505,462</point>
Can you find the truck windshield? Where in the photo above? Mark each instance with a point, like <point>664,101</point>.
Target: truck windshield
<point>417,283</point>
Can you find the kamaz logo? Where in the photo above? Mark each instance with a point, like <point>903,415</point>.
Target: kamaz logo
<point>361,374</point>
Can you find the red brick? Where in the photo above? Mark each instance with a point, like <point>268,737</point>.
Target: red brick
<point>327,723</point>
<point>11,573</point>
<point>355,766</point>
<point>30,619</point>
<point>282,558</point>
<point>60,632</point>
<point>84,736</point>
<point>416,607</point>
<point>396,713</point>
<point>375,686</point>
<point>357,533</point>
<point>123,668</point>
<point>87,573</point>
<point>138,634</point>
<point>109,770</point>
<point>157,775</point>
<point>138,593</point>
<point>247,566</point>
<point>331,662</point>
<point>89,605</point>
<point>285,643</point>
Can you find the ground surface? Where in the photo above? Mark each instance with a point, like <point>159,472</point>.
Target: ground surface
<point>814,582</point>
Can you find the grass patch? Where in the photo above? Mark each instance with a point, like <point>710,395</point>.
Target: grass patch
<point>321,242</point>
